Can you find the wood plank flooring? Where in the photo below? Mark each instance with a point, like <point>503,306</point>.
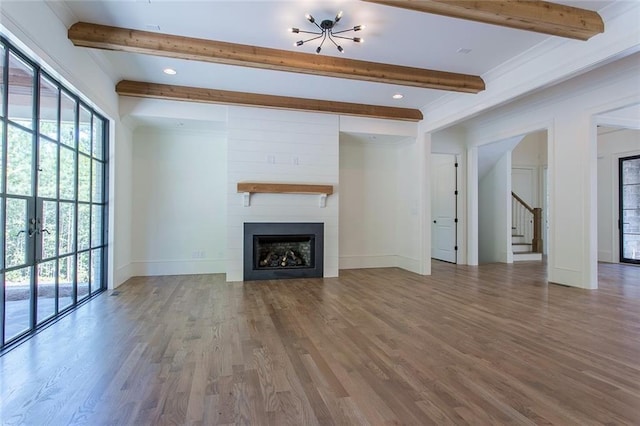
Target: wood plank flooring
<point>490,345</point>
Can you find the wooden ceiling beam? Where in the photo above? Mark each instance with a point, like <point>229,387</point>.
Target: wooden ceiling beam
<point>538,16</point>
<point>195,94</point>
<point>173,46</point>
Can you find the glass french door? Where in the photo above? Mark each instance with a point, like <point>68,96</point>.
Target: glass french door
<point>52,197</point>
<point>629,169</point>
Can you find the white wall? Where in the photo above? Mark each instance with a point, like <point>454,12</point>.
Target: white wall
<point>494,213</point>
<point>179,208</point>
<point>612,145</point>
<point>281,146</point>
<point>412,204</point>
<point>40,30</point>
<point>120,198</point>
<point>368,201</point>
<point>567,111</point>
<point>400,209</point>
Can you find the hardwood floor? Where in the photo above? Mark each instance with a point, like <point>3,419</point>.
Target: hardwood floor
<point>468,345</point>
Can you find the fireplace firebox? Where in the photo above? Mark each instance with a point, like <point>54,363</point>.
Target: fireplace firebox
<point>281,250</point>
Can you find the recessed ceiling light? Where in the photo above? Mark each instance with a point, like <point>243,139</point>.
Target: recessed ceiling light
<point>398,96</point>
<point>169,71</point>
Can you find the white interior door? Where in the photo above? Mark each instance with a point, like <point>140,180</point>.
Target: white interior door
<point>443,207</point>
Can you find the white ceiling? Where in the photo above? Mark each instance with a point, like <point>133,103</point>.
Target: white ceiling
<point>392,35</point>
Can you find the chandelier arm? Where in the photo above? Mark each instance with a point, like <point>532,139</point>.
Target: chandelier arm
<point>323,39</point>
<point>346,38</point>
<point>312,38</point>
<point>333,41</point>
<point>319,27</point>
<point>308,32</point>
<point>342,31</point>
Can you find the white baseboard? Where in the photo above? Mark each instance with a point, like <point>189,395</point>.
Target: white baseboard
<point>409,264</point>
<point>122,274</point>
<point>178,267</point>
<point>361,262</point>
<point>380,261</point>
<point>605,256</point>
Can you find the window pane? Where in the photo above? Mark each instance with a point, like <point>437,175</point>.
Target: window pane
<point>84,136</point>
<point>66,274</point>
<point>630,171</point>
<point>19,161</point>
<point>84,217</point>
<point>48,169</point>
<point>68,120</point>
<point>96,225</point>
<point>84,178</point>
<point>67,228</point>
<point>2,53</point>
<point>96,270</point>
<point>96,182</point>
<point>17,302</point>
<point>49,229</point>
<point>1,235</point>
<point>16,232</point>
<point>67,174</point>
<point>83,275</point>
<point>1,152</point>
<point>631,196</point>
<point>98,137</point>
<point>21,90</point>
<point>46,286</point>
<point>48,108</point>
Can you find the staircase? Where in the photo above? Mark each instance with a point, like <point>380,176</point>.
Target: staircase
<point>526,230</point>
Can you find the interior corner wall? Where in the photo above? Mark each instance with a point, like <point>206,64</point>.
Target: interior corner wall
<point>179,208</point>
<point>411,160</point>
<point>612,145</point>
<point>494,213</point>
<point>266,145</point>
<point>120,193</point>
<point>368,200</point>
<point>36,29</point>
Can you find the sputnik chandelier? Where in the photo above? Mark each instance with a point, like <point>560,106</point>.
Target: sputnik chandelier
<point>326,28</point>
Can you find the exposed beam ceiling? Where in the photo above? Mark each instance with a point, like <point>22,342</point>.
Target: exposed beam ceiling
<point>195,94</point>
<point>173,46</point>
<point>538,16</point>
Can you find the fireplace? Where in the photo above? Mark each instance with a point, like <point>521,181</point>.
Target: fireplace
<point>283,250</point>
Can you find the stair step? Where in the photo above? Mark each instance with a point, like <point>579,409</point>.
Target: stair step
<point>521,247</point>
<point>527,255</point>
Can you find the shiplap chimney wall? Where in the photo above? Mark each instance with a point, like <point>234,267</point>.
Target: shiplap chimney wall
<point>281,146</point>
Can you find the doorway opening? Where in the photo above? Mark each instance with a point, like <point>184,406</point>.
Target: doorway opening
<point>629,208</point>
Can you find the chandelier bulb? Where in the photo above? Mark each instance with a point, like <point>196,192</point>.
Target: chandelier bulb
<point>294,30</point>
<point>299,43</point>
<point>318,50</point>
<point>338,16</point>
<point>358,39</point>
<point>340,49</point>
<point>310,18</point>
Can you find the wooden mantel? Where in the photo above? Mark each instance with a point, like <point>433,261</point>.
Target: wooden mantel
<point>248,188</point>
